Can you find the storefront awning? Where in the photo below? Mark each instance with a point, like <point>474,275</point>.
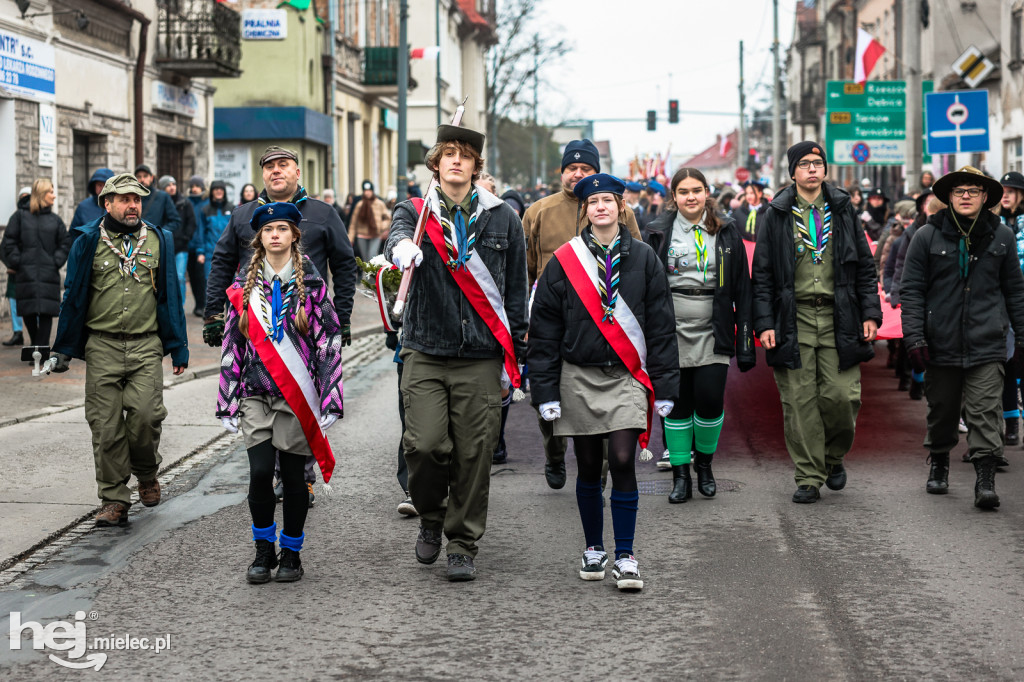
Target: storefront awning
<point>271,123</point>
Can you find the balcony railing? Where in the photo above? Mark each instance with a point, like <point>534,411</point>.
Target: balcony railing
<point>380,66</point>
<point>198,38</point>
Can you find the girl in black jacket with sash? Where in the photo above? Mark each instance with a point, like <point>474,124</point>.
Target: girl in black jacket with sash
<point>706,262</point>
<point>603,287</point>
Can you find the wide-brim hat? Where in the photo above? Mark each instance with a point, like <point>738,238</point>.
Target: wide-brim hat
<point>968,175</point>
<point>921,199</point>
<point>450,133</point>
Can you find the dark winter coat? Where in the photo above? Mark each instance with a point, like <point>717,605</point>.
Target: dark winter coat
<point>214,218</point>
<point>170,313</point>
<point>438,318</point>
<point>731,310</point>
<point>561,329</point>
<point>324,240</point>
<point>158,209</point>
<point>35,246</point>
<point>183,234</point>
<point>856,283</point>
<point>963,321</point>
<point>901,257</point>
<point>89,208</point>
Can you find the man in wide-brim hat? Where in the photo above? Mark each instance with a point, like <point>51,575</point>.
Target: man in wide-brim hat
<point>962,273</point>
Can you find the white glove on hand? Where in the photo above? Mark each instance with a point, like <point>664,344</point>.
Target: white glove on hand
<point>551,411</point>
<point>230,423</point>
<point>664,407</point>
<point>406,253</point>
<point>327,420</point>
<point>865,216</point>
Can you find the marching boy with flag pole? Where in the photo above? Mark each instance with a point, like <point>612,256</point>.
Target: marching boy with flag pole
<point>464,327</point>
<point>603,359</point>
<point>280,381</point>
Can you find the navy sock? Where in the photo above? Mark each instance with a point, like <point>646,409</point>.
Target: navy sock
<point>588,499</point>
<point>624,508</point>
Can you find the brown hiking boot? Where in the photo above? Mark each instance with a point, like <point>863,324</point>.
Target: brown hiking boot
<point>112,514</point>
<point>149,493</point>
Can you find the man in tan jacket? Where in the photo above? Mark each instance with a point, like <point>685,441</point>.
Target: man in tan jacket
<point>548,224</point>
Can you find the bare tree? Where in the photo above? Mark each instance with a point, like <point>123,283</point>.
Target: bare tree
<point>520,54</point>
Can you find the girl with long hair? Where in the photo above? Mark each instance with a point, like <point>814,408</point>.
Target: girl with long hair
<point>370,222</point>
<point>247,194</point>
<point>280,381</point>
<point>703,254</point>
<point>602,356</point>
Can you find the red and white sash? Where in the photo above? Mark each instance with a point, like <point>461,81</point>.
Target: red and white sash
<point>382,300</point>
<point>625,335</point>
<point>478,287</point>
<point>288,371</point>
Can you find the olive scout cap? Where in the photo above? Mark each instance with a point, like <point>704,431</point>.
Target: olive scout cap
<point>274,152</point>
<point>125,183</point>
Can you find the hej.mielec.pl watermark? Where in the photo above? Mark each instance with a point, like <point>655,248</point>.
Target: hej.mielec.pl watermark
<point>61,635</point>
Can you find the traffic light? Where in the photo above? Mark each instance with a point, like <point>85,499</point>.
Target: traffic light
<point>652,119</point>
<point>673,111</point>
<point>753,159</point>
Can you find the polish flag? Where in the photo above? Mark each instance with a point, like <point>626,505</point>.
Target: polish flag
<point>425,52</point>
<point>725,147</point>
<point>869,51</point>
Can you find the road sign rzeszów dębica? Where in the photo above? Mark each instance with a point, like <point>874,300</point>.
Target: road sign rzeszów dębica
<point>865,123</point>
<point>957,121</point>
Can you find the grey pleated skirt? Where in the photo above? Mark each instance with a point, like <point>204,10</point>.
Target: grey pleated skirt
<point>270,418</point>
<point>597,400</point>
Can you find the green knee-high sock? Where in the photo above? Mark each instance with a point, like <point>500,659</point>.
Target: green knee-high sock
<point>679,440</point>
<point>706,433</point>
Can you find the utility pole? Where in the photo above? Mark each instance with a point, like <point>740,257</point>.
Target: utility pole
<point>742,150</point>
<point>912,69</point>
<point>335,179</point>
<point>402,181</point>
<point>776,103</point>
<point>535,168</point>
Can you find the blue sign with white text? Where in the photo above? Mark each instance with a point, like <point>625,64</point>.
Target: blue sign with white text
<point>957,121</point>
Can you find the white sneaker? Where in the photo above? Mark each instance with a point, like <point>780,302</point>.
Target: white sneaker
<point>962,427</point>
<point>593,562</point>
<point>406,508</point>
<point>664,464</point>
<point>627,573</point>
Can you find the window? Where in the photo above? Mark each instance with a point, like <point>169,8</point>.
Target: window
<point>1012,154</point>
<point>170,159</point>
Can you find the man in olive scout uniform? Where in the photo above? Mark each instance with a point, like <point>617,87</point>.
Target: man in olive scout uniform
<point>816,311</point>
<point>452,375</point>
<point>122,313</point>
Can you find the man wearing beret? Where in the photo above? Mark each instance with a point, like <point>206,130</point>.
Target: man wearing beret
<point>457,347</point>
<point>157,206</point>
<point>549,223</point>
<point>122,313</point>
<point>816,311</point>
<point>961,283</point>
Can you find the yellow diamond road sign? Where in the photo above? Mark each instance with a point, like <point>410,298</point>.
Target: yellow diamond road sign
<point>972,66</point>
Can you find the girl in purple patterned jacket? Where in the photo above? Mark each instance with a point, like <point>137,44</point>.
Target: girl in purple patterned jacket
<point>297,330</point>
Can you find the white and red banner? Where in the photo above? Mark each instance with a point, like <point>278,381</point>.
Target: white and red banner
<point>432,52</point>
<point>869,51</point>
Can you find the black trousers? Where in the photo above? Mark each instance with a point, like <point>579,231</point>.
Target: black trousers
<point>38,328</point>
<point>197,278</point>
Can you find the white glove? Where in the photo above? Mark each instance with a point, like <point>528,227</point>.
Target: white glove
<point>551,411</point>
<point>663,407</point>
<point>406,253</point>
<point>230,423</point>
<point>865,216</point>
<point>327,420</point>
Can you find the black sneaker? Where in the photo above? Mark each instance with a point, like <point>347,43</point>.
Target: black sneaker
<point>806,494</point>
<point>593,562</point>
<point>291,566</point>
<point>627,573</point>
<point>266,561</point>
<point>461,568</point>
<point>428,545</point>
<point>500,456</point>
<point>836,477</point>
<point>664,464</point>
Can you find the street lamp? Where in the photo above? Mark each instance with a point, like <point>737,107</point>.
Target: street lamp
<point>80,17</point>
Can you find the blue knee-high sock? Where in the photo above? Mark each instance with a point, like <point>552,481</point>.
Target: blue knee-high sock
<point>269,533</point>
<point>624,508</point>
<point>918,377</point>
<point>294,544</point>
<point>588,499</point>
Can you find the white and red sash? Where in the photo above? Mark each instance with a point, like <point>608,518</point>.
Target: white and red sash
<point>288,371</point>
<point>623,334</point>
<point>477,285</point>
<point>382,299</point>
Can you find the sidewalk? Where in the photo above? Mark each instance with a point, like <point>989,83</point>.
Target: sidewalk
<point>45,443</point>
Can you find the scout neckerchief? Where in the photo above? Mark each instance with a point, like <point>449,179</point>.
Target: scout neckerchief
<point>459,236</point>
<point>964,246</point>
<point>700,243</point>
<point>126,254</point>
<point>291,376</point>
<point>477,284</point>
<point>624,333</point>
<point>816,235</point>
<point>607,270</point>
<point>299,196</point>
<point>275,311</point>
<point>752,219</point>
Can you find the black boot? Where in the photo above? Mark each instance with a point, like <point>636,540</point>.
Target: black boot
<point>904,384</point>
<point>16,340</point>
<point>1012,435</point>
<point>938,475</point>
<point>705,479</point>
<point>916,390</point>
<point>682,484</point>
<point>985,487</point>
<point>266,561</point>
<point>291,566</point>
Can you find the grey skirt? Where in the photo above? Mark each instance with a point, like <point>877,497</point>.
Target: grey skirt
<point>270,418</point>
<point>597,400</point>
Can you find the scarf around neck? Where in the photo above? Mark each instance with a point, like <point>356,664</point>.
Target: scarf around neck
<point>815,235</point>
<point>608,259</point>
<point>459,234</point>
<point>126,253</point>
<point>280,287</point>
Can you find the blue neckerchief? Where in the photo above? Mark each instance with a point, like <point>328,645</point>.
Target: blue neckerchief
<point>276,305</point>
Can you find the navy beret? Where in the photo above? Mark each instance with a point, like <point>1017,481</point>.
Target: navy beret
<point>633,186</point>
<point>278,210</point>
<point>655,186</point>
<point>597,184</point>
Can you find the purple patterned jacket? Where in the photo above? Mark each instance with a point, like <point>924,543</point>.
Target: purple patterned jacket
<point>242,373</point>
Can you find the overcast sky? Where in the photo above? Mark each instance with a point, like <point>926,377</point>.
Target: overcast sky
<point>635,55</point>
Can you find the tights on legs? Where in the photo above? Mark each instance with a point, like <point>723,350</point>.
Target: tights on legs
<point>624,497</point>
<point>261,489</point>
<point>38,328</point>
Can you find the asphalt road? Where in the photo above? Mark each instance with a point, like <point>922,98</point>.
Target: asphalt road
<point>878,581</point>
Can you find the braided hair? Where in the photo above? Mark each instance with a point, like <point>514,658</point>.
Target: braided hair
<point>259,253</point>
